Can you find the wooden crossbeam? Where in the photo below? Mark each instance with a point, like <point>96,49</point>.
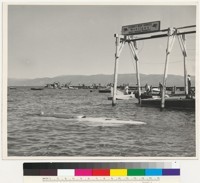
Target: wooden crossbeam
<point>185,27</point>
<point>157,36</point>
<point>127,38</point>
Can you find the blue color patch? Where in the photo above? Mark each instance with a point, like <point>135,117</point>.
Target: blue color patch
<point>153,172</point>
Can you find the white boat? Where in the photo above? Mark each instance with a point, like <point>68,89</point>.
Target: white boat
<point>72,88</point>
<point>121,95</point>
<point>69,88</point>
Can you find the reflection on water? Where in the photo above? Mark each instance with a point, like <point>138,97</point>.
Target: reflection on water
<point>170,133</point>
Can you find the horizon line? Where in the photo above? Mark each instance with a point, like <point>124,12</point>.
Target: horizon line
<point>87,75</point>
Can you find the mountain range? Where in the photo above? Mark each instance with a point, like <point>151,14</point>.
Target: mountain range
<point>172,80</point>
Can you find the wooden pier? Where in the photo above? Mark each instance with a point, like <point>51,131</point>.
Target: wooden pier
<point>172,33</point>
<point>171,102</point>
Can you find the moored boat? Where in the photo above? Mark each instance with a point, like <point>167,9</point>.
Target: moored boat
<point>122,95</point>
<point>105,90</point>
<point>37,88</point>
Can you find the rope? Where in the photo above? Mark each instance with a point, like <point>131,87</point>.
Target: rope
<point>141,47</point>
<point>132,60</point>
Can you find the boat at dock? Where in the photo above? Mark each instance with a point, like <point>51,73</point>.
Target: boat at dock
<point>58,85</point>
<point>37,88</point>
<point>154,93</point>
<point>105,90</point>
<point>68,88</point>
<point>122,95</point>
<point>72,88</point>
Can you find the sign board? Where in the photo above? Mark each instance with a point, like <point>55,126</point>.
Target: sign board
<point>141,28</point>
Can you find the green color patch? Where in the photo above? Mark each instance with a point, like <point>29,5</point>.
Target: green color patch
<point>136,172</point>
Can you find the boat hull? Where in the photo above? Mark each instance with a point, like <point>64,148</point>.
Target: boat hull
<point>122,97</point>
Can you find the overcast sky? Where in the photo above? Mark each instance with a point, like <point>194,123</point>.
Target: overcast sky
<point>48,41</point>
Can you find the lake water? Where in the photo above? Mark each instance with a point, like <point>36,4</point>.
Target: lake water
<point>168,133</point>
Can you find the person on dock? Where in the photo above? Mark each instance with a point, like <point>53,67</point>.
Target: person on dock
<point>147,88</point>
<point>126,90</point>
<point>189,87</point>
<point>174,90</point>
<point>151,88</point>
<point>161,88</point>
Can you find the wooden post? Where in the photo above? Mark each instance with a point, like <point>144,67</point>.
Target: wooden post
<point>182,43</point>
<point>119,47</point>
<point>185,66</point>
<point>133,48</point>
<point>170,43</point>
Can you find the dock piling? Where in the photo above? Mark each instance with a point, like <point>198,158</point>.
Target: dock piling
<point>182,43</point>
<point>170,43</point>
<point>133,48</point>
<point>119,47</point>
<point>185,66</point>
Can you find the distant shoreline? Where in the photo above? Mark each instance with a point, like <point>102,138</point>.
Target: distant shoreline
<point>103,80</point>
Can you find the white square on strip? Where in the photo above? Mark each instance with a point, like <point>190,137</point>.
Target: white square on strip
<point>66,172</point>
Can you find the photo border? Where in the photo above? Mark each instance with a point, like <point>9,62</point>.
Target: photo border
<point>5,84</point>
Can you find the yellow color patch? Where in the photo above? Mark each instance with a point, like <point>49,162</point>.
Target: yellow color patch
<point>118,172</point>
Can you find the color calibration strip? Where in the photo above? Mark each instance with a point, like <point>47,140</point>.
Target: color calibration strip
<point>102,172</point>
<point>99,169</point>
